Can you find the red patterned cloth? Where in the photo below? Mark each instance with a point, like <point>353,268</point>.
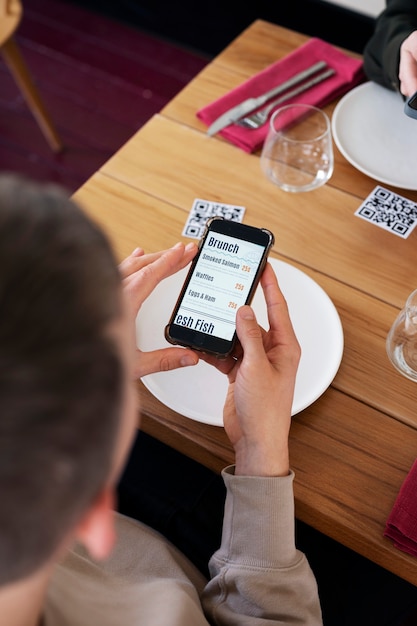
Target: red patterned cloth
<point>401,525</point>
<point>349,73</point>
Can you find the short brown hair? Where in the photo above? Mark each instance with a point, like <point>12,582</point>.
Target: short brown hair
<point>60,372</point>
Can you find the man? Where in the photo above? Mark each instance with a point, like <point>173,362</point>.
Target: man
<point>390,56</point>
<point>68,415</point>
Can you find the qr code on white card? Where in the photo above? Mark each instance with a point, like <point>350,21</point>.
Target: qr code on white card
<point>389,211</point>
<point>202,210</point>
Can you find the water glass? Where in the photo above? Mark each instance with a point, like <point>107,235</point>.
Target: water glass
<point>298,153</point>
<point>401,341</point>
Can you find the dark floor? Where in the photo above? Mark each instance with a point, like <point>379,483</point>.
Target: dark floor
<point>100,79</point>
<point>104,68</point>
<point>212,28</point>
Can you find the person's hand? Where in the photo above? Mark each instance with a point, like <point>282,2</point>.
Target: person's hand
<point>408,65</point>
<point>257,411</point>
<point>141,273</point>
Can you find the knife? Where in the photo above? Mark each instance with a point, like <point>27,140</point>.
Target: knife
<point>245,107</point>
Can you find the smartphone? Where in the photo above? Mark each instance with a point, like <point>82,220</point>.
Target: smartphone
<point>223,276</point>
<point>410,107</point>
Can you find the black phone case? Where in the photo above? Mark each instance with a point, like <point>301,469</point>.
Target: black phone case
<point>200,341</point>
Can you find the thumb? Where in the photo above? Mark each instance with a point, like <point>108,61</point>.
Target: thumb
<point>162,360</point>
<point>249,331</point>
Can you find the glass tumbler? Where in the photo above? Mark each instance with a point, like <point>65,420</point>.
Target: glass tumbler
<point>401,341</point>
<point>298,153</point>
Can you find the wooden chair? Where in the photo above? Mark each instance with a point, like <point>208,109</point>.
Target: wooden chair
<point>10,17</point>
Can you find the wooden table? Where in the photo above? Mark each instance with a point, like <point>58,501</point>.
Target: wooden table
<point>353,447</point>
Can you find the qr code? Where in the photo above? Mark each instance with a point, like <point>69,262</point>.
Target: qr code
<point>389,211</point>
<point>202,210</point>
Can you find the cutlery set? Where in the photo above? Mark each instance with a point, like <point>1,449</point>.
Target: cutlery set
<point>239,114</point>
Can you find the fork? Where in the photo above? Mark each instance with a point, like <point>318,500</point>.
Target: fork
<point>259,118</point>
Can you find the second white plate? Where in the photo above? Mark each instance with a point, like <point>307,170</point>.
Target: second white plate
<point>374,134</point>
<point>198,392</point>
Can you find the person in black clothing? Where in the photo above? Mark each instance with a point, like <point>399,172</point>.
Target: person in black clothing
<point>390,56</point>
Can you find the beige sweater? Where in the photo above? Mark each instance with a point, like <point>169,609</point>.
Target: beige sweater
<point>258,576</point>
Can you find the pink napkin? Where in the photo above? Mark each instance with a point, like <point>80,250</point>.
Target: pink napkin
<point>401,525</point>
<point>349,73</point>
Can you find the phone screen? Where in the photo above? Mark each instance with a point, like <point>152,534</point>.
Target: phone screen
<point>221,280</point>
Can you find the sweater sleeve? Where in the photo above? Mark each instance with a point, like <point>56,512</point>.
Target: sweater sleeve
<point>382,52</point>
<point>258,575</point>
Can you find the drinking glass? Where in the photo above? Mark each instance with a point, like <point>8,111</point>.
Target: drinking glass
<point>298,153</point>
<point>401,341</point>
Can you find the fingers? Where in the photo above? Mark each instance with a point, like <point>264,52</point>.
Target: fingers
<point>225,366</point>
<point>163,360</point>
<point>141,273</point>
<point>130,264</point>
<point>277,308</point>
<point>249,333</point>
<point>408,65</point>
<point>279,344</point>
<point>408,74</point>
<point>144,272</point>
<point>138,259</point>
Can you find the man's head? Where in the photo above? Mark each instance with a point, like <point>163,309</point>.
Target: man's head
<point>62,374</point>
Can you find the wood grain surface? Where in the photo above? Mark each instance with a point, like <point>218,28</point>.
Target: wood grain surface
<point>353,447</point>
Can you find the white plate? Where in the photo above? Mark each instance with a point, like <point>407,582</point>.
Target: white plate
<point>198,392</point>
<point>374,134</point>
